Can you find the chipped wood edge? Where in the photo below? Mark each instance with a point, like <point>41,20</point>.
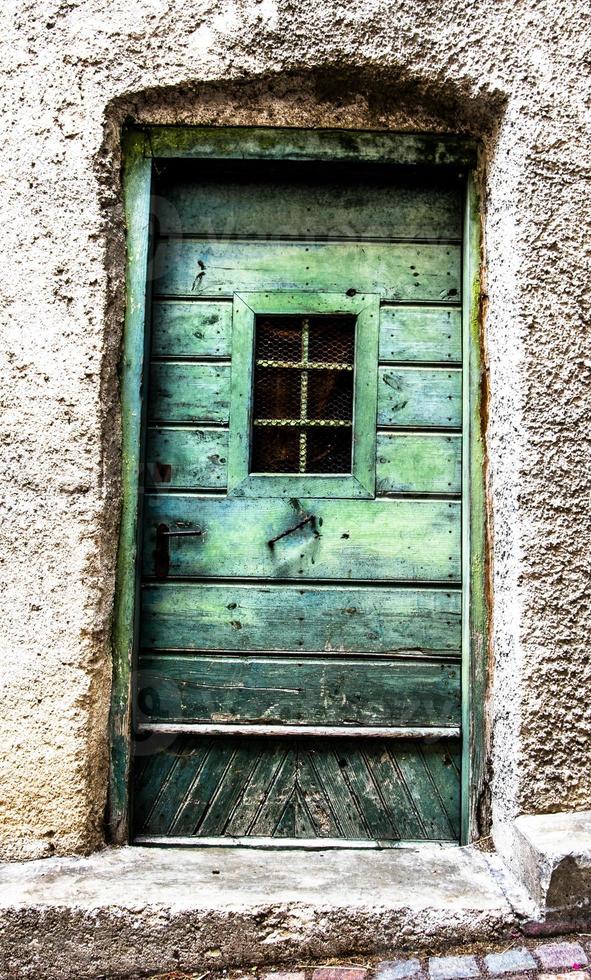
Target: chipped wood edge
<point>137,169</point>
<point>246,142</point>
<point>299,843</point>
<point>474,533</point>
<point>326,731</point>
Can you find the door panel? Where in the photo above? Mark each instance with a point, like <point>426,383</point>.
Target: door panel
<point>265,206</point>
<point>312,691</point>
<point>187,458</point>
<point>182,392</point>
<point>396,272</point>
<point>421,333</point>
<point>394,540</point>
<point>306,619</point>
<point>186,327</point>
<point>300,635</point>
<point>410,397</point>
<point>425,463</point>
<point>419,397</point>
<point>356,789</point>
<point>193,458</point>
<point>202,328</point>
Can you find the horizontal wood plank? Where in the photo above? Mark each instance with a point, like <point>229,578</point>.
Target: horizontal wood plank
<point>297,731</point>
<point>414,397</point>
<point>396,272</point>
<point>420,333</point>
<point>309,691</point>
<point>346,539</point>
<point>352,789</point>
<point>196,458</point>
<point>330,145</point>
<point>203,328</point>
<point>267,201</point>
<point>186,458</point>
<point>410,397</point>
<point>307,619</point>
<point>423,463</point>
<point>183,392</point>
<point>191,329</point>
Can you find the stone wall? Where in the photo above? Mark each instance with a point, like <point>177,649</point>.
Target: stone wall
<point>515,75</point>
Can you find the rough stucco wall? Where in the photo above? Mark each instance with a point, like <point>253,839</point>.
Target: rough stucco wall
<point>516,74</point>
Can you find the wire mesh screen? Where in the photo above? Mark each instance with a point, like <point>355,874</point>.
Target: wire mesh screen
<point>303,394</point>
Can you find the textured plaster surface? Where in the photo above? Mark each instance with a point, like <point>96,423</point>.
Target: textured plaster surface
<point>136,909</point>
<point>514,73</point>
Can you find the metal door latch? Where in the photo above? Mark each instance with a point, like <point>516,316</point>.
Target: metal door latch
<point>162,556</point>
<point>311,519</point>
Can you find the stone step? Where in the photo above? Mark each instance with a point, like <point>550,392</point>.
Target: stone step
<point>131,910</point>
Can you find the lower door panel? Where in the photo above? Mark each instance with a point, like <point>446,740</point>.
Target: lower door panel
<point>308,691</point>
<point>280,789</point>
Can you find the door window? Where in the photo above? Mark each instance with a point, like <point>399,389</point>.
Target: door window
<point>304,394</point>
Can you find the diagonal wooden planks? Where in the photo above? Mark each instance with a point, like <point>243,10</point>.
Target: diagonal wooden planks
<point>281,788</point>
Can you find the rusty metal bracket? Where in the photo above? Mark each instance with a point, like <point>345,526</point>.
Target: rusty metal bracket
<point>308,520</point>
<point>162,554</point>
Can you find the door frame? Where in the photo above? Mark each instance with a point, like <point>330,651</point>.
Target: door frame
<point>141,147</point>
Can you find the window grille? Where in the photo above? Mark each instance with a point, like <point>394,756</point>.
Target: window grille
<point>303,394</point>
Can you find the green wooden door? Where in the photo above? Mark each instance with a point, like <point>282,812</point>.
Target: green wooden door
<point>299,673</point>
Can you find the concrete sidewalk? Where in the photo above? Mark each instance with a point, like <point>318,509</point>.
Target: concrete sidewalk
<point>567,959</point>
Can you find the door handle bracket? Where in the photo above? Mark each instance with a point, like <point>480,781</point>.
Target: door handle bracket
<point>162,554</point>
<point>311,519</point>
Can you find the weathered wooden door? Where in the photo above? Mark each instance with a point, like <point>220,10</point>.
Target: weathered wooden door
<point>300,636</point>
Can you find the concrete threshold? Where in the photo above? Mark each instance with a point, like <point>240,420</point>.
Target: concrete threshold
<point>136,910</point>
